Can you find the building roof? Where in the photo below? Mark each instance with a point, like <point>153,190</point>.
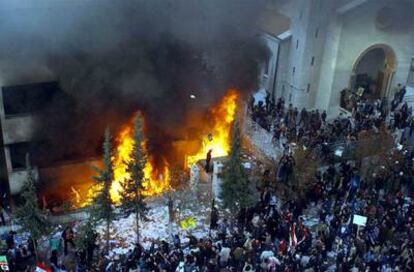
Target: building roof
<point>273,22</point>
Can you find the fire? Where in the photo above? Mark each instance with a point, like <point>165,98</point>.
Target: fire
<point>218,140</point>
<point>154,183</point>
<point>157,180</point>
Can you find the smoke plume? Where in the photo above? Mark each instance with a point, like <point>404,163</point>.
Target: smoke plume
<point>113,58</point>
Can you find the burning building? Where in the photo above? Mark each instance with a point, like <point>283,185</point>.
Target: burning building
<point>176,68</point>
<point>20,108</point>
<point>211,134</point>
<point>70,177</point>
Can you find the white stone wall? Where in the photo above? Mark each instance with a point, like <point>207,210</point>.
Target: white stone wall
<point>282,86</point>
<point>309,23</point>
<point>296,70</point>
<point>267,78</point>
<point>346,28</point>
<point>358,33</point>
<point>17,179</point>
<point>328,62</point>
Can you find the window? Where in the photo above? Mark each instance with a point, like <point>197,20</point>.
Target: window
<point>25,99</point>
<point>297,43</point>
<point>313,61</point>
<point>316,32</point>
<point>266,68</point>
<point>308,88</point>
<point>293,71</point>
<point>18,153</point>
<point>290,97</point>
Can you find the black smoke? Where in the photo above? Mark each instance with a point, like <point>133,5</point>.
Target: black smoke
<point>115,57</point>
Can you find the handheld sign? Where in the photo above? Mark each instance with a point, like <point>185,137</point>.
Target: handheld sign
<point>359,220</point>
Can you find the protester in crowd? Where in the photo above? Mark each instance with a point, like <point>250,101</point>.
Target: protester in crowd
<point>67,236</point>
<point>2,219</point>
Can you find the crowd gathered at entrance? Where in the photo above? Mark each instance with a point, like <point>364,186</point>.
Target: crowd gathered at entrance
<point>279,233</point>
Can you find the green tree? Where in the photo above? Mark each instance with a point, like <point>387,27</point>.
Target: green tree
<point>132,199</point>
<point>304,170</point>
<point>86,235</point>
<point>236,190</point>
<point>102,205</point>
<point>28,215</point>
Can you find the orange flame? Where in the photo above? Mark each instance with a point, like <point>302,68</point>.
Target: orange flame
<point>218,141</point>
<point>154,181</point>
<point>157,181</point>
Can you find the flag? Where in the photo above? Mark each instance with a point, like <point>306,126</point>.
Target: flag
<point>292,237</point>
<point>3,263</point>
<point>41,267</point>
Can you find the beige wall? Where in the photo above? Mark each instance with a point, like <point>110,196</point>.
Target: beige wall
<point>359,32</point>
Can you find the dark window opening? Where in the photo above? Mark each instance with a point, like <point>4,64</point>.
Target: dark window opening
<point>266,71</point>
<point>293,71</point>
<point>313,61</point>
<point>297,44</point>
<point>317,32</point>
<point>308,88</point>
<point>25,99</point>
<point>18,155</point>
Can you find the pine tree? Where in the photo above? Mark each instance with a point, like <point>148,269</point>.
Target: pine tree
<point>102,203</point>
<point>132,199</point>
<point>28,215</point>
<point>236,190</point>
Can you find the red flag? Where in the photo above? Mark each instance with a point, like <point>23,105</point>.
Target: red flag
<point>41,267</point>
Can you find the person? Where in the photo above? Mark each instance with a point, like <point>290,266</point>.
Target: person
<point>67,236</point>
<point>401,94</point>
<point>54,261</point>
<point>323,116</point>
<point>10,239</point>
<point>208,160</point>
<point>224,255</point>
<point>396,91</point>
<point>268,102</point>
<point>411,125</point>
<point>360,91</point>
<point>3,221</point>
<point>214,218</point>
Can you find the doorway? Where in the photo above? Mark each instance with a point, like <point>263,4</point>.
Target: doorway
<point>373,71</point>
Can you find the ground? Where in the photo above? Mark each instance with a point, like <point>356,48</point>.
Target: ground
<point>191,203</point>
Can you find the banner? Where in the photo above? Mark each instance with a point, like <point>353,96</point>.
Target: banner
<point>188,223</point>
<point>359,220</point>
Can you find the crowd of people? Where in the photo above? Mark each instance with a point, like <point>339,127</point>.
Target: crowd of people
<point>312,232</point>
<point>277,235</point>
<point>312,130</point>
